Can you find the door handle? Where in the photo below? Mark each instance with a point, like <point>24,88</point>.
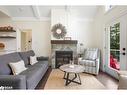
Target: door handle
<point>124,49</point>
<point>123,53</point>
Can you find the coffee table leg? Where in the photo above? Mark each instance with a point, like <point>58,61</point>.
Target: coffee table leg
<point>67,79</point>
<point>79,79</point>
<point>64,75</point>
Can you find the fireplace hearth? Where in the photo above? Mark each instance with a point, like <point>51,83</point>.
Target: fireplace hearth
<point>63,57</point>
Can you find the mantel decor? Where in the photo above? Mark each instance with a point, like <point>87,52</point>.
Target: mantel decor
<point>67,38</point>
<point>59,31</point>
<point>6,28</point>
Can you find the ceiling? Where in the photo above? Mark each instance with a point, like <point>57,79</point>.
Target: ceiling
<point>45,11</point>
<point>3,15</point>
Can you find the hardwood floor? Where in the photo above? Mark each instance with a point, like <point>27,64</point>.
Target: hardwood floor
<point>108,81</point>
<point>43,81</point>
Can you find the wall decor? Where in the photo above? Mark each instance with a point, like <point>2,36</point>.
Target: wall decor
<point>67,38</point>
<point>59,31</point>
<point>2,45</point>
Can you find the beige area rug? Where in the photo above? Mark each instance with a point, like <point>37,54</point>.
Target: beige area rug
<point>56,81</point>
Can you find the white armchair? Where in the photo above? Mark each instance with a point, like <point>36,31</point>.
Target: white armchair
<point>90,60</point>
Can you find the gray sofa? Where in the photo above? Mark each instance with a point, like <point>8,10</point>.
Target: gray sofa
<point>27,79</point>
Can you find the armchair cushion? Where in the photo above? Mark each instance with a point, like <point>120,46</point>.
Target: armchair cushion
<point>88,63</point>
<point>90,54</point>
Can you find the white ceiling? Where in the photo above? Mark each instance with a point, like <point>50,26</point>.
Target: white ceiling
<point>45,11</point>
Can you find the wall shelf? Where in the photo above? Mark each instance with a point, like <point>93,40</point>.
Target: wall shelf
<point>7,31</point>
<point>7,37</point>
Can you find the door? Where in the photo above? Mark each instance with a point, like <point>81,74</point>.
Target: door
<point>26,40</point>
<point>116,45</point>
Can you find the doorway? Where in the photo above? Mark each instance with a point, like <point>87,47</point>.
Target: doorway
<point>26,40</point>
<point>116,45</point>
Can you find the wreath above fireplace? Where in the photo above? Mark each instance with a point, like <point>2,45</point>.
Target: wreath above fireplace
<point>59,31</point>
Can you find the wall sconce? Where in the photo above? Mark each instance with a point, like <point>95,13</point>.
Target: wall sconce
<point>81,47</point>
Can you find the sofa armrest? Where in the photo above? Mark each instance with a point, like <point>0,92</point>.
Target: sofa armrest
<point>12,82</point>
<point>122,82</point>
<point>42,58</point>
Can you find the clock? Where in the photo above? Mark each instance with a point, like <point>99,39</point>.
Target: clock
<point>58,31</point>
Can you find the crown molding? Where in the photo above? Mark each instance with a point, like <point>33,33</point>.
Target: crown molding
<point>30,19</point>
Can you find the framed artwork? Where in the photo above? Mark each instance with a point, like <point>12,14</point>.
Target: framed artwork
<point>67,38</point>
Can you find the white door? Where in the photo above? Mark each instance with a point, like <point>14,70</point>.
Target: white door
<point>26,40</point>
<point>116,46</point>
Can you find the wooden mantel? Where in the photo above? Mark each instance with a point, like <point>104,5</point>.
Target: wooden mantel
<point>64,41</point>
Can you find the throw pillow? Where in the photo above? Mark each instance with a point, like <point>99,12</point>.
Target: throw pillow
<point>17,67</point>
<point>33,60</point>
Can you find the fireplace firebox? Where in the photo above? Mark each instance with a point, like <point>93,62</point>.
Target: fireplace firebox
<point>63,57</point>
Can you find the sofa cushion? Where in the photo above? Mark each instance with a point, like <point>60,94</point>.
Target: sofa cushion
<point>34,74</point>
<point>5,60</point>
<point>26,56</point>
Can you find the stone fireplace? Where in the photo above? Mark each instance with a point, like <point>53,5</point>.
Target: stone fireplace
<point>63,57</point>
<point>64,50</point>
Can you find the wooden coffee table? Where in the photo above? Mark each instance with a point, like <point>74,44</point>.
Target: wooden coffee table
<point>75,69</point>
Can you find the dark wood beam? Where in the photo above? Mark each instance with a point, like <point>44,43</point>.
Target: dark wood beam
<point>64,41</point>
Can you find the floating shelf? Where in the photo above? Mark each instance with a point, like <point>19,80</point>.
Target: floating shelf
<point>7,37</point>
<point>7,31</point>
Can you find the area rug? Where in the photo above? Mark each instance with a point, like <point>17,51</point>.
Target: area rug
<point>56,81</point>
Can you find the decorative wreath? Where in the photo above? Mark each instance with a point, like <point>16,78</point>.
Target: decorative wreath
<point>59,31</point>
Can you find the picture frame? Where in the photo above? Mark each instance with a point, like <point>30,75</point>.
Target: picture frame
<point>67,38</point>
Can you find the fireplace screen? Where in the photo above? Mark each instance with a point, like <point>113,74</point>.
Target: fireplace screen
<point>63,57</point>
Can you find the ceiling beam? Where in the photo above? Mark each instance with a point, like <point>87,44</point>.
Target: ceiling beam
<point>36,12</point>
<point>5,11</point>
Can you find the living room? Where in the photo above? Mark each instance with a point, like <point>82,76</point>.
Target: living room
<point>77,32</point>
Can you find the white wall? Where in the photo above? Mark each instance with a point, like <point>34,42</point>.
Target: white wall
<point>40,34</point>
<point>99,32</point>
<point>59,16</point>
<point>80,29</point>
